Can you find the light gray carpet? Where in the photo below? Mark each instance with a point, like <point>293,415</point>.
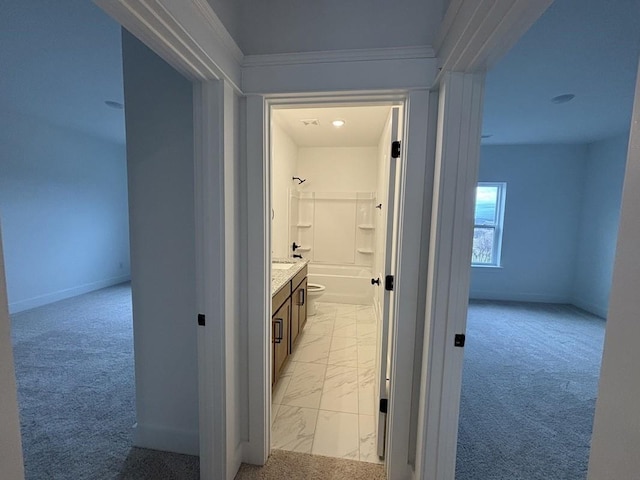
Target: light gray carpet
<point>74,368</point>
<point>529,387</point>
<point>302,466</point>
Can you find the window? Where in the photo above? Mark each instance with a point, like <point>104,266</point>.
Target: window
<point>487,232</point>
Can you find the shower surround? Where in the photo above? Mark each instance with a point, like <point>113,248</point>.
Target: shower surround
<point>336,233</point>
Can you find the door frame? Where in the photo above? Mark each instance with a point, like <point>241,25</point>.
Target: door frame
<point>414,154</point>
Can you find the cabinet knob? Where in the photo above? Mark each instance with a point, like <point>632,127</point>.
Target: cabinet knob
<point>375,281</point>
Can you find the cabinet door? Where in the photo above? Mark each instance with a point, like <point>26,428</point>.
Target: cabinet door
<point>280,337</point>
<point>302,305</point>
<point>295,319</point>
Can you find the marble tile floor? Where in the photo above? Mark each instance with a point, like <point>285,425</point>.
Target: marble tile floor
<point>324,403</point>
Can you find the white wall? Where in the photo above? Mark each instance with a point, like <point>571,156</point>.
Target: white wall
<point>561,221</point>
<point>284,165</point>
<point>616,430</point>
<point>10,444</point>
<point>338,169</point>
<point>63,203</point>
<point>541,220</point>
<point>159,120</point>
<point>604,165</point>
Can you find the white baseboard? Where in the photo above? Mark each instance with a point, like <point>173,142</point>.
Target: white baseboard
<point>519,297</point>
<point>166,440</point>
<point>41,300</point>
<point>599,310</point>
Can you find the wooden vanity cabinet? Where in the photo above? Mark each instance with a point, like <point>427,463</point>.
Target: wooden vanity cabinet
<point>298,311</point>
<point>280,325</point>
<point>280,328</point>
<point>290,307</point>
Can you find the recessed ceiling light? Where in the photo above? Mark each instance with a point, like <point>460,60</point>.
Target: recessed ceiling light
<point>338,123</point>
<point>113,104</point>
<point>486,135</point>
<point>567,97</point>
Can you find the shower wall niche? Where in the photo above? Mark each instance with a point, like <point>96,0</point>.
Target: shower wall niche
<point>333,228</point>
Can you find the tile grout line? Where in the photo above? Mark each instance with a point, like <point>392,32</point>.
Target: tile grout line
<point>315,430</point>
<point>358,385</point>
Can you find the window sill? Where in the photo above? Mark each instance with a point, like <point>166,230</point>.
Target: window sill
<point>477,265</point>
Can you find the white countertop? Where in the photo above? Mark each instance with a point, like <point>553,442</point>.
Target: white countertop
<point>281,276</point>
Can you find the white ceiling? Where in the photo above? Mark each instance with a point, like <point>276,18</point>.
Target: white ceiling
<point>283,26</point>
<point>589,48</point>
<point>59,61</point>
<point>363,125</point>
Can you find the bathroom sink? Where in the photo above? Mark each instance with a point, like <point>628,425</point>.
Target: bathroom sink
<point>281,266</point>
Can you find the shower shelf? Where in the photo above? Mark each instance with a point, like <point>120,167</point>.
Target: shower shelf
<point>303,225</point>
<point>366,226</point>
<point>365,251</point>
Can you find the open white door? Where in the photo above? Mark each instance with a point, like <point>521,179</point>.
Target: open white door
<point>390,222</point>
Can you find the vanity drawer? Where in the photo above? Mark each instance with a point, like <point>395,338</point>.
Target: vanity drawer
<point>280,297</point>
<point>299,278</point>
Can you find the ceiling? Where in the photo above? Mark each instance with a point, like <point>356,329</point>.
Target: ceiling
<point>589,48</point>
<point>284,26</point>
<point>59,62</point>
<point>363,125</point>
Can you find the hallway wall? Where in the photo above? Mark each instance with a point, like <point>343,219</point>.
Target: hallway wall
<point>159,120</point>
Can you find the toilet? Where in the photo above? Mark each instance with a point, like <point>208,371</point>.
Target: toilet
<point>314,291</point>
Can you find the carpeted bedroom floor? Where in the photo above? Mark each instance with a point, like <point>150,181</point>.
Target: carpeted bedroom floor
<point>529,387</point>
<point>74,368</point>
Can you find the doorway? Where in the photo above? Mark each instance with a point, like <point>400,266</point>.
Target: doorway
<point>334,210</point>
<point>548,200</point>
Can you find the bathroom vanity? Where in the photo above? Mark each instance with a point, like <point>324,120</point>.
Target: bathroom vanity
<point>289,309</point>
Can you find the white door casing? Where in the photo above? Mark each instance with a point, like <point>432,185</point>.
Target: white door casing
<point>389,204</point>
<point>414,158</point>
<point>217,266</point>
<point>455,178</point>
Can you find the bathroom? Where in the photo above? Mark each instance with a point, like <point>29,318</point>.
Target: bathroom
<point>332,195</point>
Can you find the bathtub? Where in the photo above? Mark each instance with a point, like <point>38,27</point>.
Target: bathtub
<point>345,284</point>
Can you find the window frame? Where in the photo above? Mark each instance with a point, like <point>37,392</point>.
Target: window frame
<point>498,227</point>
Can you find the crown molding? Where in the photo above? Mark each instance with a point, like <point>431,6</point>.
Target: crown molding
<point>221,32</point>
<point>475,34</point>
<point>337,56</point>
<point>187,35</point>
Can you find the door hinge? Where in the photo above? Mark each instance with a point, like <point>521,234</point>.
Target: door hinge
<point>459,340</point>
<point>383,405</point>
<point>395,149</point>
<point>388,283</point>
<point>201,319</point>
